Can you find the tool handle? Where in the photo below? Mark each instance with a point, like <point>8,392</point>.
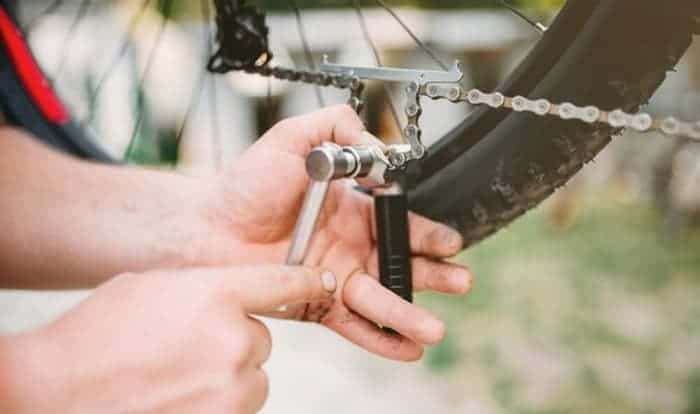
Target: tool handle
<point>391,213</point>
<point>306,224</point>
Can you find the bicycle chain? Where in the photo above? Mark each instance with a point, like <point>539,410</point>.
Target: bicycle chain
<point>641,122</point>
<point>353,84</point>
<point>399,155</point>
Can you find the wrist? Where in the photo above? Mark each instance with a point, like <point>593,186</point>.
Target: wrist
<point>27,376</point>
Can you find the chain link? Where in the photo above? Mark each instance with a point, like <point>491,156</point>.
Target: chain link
<point>318,78</point>
<point>641,122</point>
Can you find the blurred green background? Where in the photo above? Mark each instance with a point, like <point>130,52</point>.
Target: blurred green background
<point>603,316</point>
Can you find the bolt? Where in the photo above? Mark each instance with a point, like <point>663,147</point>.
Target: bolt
<point>397,159</point>
<point>412,87</point>
<point>412,109</point>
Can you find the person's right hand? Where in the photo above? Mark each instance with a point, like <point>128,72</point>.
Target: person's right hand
<point>176,341</point>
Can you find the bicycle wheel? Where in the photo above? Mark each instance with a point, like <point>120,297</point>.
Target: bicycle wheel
<point>495,165</point>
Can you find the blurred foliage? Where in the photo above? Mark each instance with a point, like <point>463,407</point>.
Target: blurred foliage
<point>584,320</point>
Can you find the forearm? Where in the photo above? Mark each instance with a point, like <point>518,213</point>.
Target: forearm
<point>69,223</point>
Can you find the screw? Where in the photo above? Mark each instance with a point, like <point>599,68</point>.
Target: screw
<point>412,109</point>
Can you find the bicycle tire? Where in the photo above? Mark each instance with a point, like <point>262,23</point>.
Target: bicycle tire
<point>497,165</point>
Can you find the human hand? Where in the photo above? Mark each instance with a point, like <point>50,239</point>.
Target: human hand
<point>255,207</point>
<point>175,341</point>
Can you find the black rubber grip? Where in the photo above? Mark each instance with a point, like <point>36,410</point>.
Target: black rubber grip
<point>391,213</point>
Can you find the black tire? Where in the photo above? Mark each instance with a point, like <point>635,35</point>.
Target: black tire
<point>497,165</point>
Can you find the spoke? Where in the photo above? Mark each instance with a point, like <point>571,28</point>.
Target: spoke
<point>215,125</point>
<point>538,26</point>
<point>377,60</point>
<point>70,37</point>
<point>307,49</point>
<point>214,103</point>
<point>199,86</point>
<point>149,63</point>
<point>123,49</point>
<point>55,5</point>
<point>415,38</point>
<point>269,118</point>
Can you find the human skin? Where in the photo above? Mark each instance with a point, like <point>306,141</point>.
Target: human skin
<point>178,341</point>
<point>67,223</point>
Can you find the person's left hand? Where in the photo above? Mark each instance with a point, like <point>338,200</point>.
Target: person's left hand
<point>256,202</point>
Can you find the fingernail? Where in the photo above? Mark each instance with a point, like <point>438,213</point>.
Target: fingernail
<point>329,282</point>
<point>454,240</point>
<point>434,330</point>
<point>462,282</point>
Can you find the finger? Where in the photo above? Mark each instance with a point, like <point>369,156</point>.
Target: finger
<point>253,393</point>
<point>261,289</point>
<point>339,124</point>
<point>367,335</point>
<point>434,275</point>
<point>262,340</point>
<point>433,239</point>
<point>364,295</point>
<point>439,276</point>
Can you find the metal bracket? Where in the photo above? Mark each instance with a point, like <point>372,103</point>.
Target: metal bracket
<point>416,79</point>
<point>388,74</point>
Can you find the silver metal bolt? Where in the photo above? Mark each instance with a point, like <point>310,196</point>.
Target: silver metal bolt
<point>397,159</point>
<point>455,93</point>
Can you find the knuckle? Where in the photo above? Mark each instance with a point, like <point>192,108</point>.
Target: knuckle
<point>264,339</point>
<point>357,286</point>
<point>285,124</point>
<point>125,279</point>
<point>394,316</point>
<point>346,111</point>
<point>250,394</point>
<point>264,330</point>
<point>300,282</point>
<point>240,349</point>
<point>288,124</point>
<point>263,386</point>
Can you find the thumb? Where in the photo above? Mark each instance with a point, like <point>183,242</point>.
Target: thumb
<point>261,289</point>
